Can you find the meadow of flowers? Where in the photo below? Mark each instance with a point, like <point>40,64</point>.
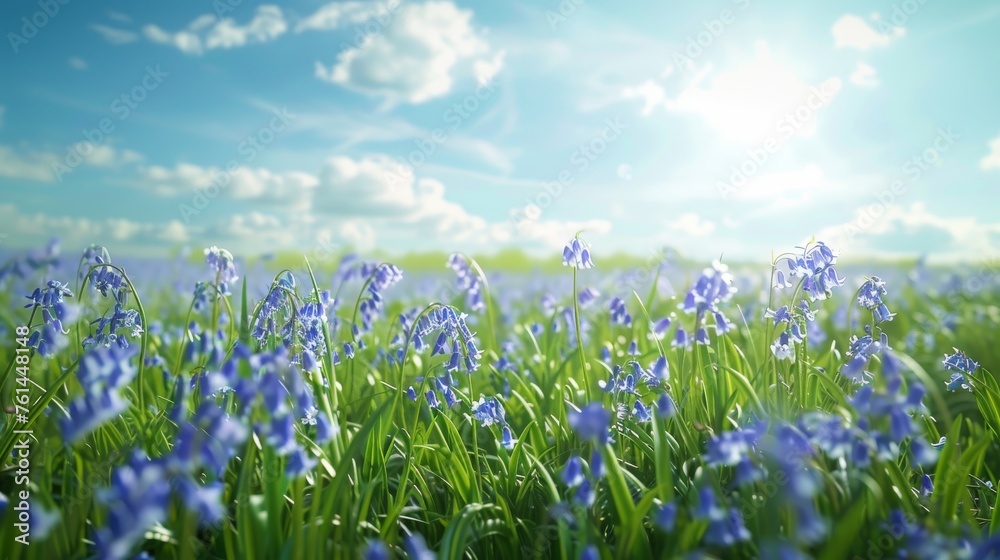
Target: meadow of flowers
<point>792,412</point>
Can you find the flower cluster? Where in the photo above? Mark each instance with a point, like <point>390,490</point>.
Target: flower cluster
<point>489,411</point>
<point>50,337</point>
<point>380,278</point>
<point>272,307</point>
<point>102,373</point>
<point>468,282</point>
<point>454,338</point>
<point>815,266</point>
<point>715,286</point>
<point>583,484</point>
<point>870,297</point>
<point>619,314</point>
<point>961,366</point>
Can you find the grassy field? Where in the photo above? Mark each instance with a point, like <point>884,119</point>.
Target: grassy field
<point>494,410</point>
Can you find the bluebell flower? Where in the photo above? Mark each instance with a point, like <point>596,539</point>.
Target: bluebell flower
<point>728,448</point>
<point>507,439</point>
<point>281,435</point>
<point>411,393</point>
<point>591,423</point>
<point>52,294</point>
<point>584,494</point>
<point>666,516</point>
<point>590,553</point>
<point>572,473</point>
<point>432,399</point>
<point>489,411</point>
<point>714,287</point>
<point>619,313</point>
<point>665,406</point>
<point>205,500</point>
<point>221,263</point>
<point>680,339</point>
<point>597,470</point>
<point>468,282</point>
<point>926,486</point>
<point>701,336</point>
<point>641,412</point>
<point>416,547</point>
<point>376,550</point>
<point>782,315</point>
<point>815,265</point>
<point>588,296</point>
<point>882,314</point>
<point>783,348</point>
<point>577,254</point>
<point>960,362</point>
<point>660,369</point>
<point>871,292</point>
<point>299,463</point>
<point>138,499</point>
<point>660,327</point>
<point>325,429</point>
<point>958,381</point>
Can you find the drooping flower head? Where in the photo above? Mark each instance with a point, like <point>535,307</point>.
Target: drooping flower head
<point>220,261</point>
<point>577,254</point>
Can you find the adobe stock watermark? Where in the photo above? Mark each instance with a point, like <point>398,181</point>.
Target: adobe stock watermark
<point>453,117</point>
<point>901,13</point>
<point>579,161</point>
<point>31,26</point>
<point>249,148</point>
<point>385,12</point>
<point>713,29</point>
<point>913,170</point>
<point>122,106</point>
<point>564,10</point>
<point>786,126</point>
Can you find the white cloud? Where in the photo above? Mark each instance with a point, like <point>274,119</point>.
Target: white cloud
<point>114,35</point>
<point>32,228</point>
<point>77,63</point>
<point>206,32</point>
<point>42,166</point>
<point>990,160</point>
<point>879,230</point>
<point>120,17</point>
<point>106,156</point>
<point>485,70</point>
<point>358,202</point>
<point>33,166</point>
<point>286,190</point>
<point>551,234</point>
<point>185,41</point>
<point>691,224</point>
<point>650,92</point>
<point>339,14</point>
<point>414,57</point>
<point>756,101</point>
<point>864,76</point>
<point>854,32</point>
<point>268,24</point>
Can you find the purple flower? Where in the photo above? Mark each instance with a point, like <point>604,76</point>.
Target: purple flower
<point>577,254</point>
<point>591,423</point>
<point>572,473</point>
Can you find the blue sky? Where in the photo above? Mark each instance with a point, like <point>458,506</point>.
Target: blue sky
<point>720,128</point>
